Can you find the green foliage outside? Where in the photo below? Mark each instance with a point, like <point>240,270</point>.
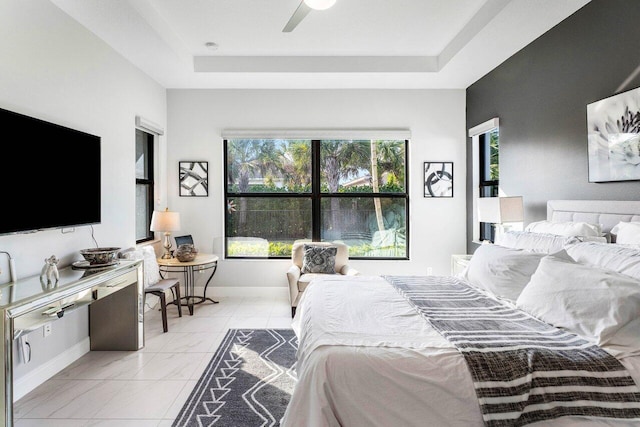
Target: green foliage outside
<point>284,167</point>
<point>283,249</point>
<point>390,187</point>
<point>494,159</point>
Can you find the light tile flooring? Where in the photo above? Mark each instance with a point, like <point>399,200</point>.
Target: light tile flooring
<point>146,387</point>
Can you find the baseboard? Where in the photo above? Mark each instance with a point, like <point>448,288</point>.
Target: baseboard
<point>246,291</point>
<point>42,373</point>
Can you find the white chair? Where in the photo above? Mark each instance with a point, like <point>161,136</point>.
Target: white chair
<point>298,281</point>
<point>154,283</point>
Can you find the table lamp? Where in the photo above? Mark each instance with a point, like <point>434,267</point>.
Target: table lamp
<point>165,221</point>
<point>500,211</point>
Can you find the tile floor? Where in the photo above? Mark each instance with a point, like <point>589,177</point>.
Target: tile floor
<point>146,387</point>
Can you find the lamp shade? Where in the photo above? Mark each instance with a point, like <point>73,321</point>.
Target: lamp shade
<point>499,210</point>
<point>165,221</point>
<point>320,4</point>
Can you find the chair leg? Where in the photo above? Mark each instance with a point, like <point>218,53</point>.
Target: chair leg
<point>163,306</point>
<point>178,301</point>
<point>293,312</point>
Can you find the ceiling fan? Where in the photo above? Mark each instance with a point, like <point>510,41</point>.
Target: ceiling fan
<point>303,10</point>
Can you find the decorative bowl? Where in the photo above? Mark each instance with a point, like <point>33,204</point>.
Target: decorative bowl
<point>186,252</point>
<point>97,256</point>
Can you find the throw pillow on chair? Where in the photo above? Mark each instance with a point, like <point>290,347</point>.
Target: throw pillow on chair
<point>319,259</point>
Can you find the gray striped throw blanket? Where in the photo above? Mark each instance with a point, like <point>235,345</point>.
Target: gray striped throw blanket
<point>523,369</point>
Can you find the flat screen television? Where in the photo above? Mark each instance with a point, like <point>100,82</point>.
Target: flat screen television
<point>50,175</point>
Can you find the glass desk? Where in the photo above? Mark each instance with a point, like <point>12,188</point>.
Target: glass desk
<point>201,264</point>
<point>115,298</point>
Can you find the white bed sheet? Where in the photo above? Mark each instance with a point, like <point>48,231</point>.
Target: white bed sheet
<point>367,358</point>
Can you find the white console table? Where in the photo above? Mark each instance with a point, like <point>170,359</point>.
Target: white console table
<point>116,312</point>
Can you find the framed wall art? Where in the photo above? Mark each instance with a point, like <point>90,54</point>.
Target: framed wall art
<point>194,178</point>
<point>613,138</point>
<point>438,179</point>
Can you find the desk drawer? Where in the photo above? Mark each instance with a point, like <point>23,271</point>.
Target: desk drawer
<point>110,286</point>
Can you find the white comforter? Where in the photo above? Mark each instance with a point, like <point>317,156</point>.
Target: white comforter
<point>366,358</point>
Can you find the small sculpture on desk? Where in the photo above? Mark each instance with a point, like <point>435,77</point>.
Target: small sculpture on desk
<point>186,252</point>
<point>49,274</point>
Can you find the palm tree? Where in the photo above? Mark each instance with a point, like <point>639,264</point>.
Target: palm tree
<point>341,159</point>
<point>374,184</point>
<point>250,158</point>
<point>391,158</point>
<point>296,165</point>
<point>387,156</point>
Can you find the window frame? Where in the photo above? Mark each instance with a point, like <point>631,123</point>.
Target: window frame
<point>487,229</point>
<point>149,183</point>
<point>316,195</point>
<point>475,133</point>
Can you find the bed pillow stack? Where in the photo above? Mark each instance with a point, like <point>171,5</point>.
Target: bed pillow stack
<point>535,242</point>
<point>621,259</point>
<point>627,233</point>
<point>566,228</point>
<point>500,270</point>
<point>595,303</point>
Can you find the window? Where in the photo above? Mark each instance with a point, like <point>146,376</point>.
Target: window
<point>489,175</point>
<point>144,185</point>
<point>486,172</point>
<point>282,190</point>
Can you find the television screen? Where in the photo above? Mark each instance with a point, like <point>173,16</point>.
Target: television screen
<point>51,174</point>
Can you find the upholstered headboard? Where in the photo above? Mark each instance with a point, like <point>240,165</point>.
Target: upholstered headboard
<point>607,213</point>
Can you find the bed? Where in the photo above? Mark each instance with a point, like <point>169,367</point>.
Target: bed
<point>372,350</point>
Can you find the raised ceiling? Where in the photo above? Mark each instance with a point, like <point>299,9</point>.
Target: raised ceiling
<point>354,44</point>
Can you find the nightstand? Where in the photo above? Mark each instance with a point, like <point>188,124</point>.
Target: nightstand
<point>459,263</point>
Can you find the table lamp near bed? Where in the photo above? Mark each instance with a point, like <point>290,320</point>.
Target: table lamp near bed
<point>505,213</point>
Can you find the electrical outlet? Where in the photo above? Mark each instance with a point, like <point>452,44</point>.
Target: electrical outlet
<point>46,329</point>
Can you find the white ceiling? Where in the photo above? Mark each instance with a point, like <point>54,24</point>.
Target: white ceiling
<point>354,44</point>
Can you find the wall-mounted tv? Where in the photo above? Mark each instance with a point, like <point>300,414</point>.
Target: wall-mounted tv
<point>50,175</point>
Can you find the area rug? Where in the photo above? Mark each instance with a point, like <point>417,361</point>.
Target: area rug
<point>248,382</point>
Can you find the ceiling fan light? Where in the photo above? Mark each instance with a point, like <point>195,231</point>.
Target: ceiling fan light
<point>320,4</point>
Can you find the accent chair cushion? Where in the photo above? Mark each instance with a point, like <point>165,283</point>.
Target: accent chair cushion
<point>305,279</point>
<point>319,259</point>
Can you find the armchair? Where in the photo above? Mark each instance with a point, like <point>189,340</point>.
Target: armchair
<point>298,280</point>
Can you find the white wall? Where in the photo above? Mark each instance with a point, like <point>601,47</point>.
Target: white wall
<point>54,69</point>
<point>436,119</point>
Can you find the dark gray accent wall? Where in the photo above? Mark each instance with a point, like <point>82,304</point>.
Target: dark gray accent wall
<point>540,95</point>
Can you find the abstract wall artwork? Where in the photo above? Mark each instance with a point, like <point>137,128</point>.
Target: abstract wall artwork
<point>438,179</point>
<point>613,130</point>
<point>194,179</point>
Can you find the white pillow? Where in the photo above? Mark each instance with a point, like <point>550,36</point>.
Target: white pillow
<point>591,302</point>
<point>150,268</point>
<point>621,259</point>
<point>565,228</point>
<point>502,271</point>
<point>536,242</point>
<point>627,233</point>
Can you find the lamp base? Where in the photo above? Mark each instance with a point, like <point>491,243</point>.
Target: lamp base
<point>167,246</point>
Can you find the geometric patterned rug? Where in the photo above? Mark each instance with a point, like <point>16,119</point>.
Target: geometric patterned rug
<point>248,382</point>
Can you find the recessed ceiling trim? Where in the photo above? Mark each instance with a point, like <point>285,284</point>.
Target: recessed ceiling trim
<point>149,13</point>
<point>315,64</point>
<point>487,12</point>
